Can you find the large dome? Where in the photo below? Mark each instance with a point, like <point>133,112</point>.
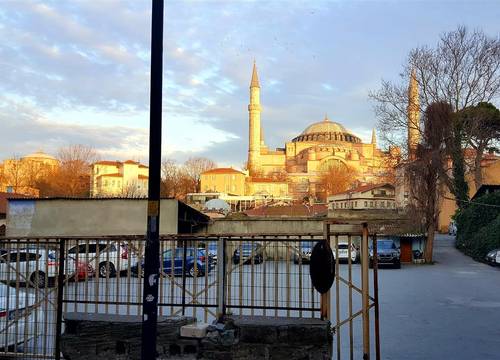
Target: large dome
<point>40,156</point>
<point>324,126</point>
<point>327,130</point>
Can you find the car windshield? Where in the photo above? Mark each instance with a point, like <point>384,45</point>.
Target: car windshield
<point>386,245</point>
<point>306,244</point>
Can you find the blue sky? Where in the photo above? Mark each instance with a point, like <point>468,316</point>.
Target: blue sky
<point>78,71</point>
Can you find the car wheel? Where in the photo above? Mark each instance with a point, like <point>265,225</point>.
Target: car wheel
<point>397,265</point>
<point>106,269</point>
<point>370,264</point>
<point>37,279</point>
<point>193,272</point>
<point>236,261</point>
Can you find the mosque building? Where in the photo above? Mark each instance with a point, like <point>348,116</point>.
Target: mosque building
<point>297,169</point>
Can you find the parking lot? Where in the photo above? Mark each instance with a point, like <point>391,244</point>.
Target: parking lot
<point>449,310</point>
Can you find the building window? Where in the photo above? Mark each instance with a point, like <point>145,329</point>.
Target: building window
<point>382,203</point>
<point>366,204</point>
<point>355,204</point>
<point>406,194</point>
<point>105,182</point>
<point>371,204</point>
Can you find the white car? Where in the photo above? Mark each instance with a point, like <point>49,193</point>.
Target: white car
<point>32,266</point>
<point>452,228</point>
<point>344,252</point>
<point>35,267</point>
<point>105,257</point>
<point>20,319</point>
<point>493,257</point>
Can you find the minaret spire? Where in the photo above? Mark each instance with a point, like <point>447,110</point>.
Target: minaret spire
<point>413,116</point>
<point>255,134</point>
<point>374,137</point>
<point>255,77</point>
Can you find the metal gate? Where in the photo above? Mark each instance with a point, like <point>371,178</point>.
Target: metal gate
<point>353,298</point>
<point>200,275</point>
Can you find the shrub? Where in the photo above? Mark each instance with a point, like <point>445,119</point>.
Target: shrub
<point>478,226</point>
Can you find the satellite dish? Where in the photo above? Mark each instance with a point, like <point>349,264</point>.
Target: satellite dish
<point>217,205</point>
<point>322,268</point>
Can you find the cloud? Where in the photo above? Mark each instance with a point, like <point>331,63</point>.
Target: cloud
<point>78,71</point>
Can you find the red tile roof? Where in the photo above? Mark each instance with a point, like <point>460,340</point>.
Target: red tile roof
<point>107,162</point>
<point>143,166</point>
<point>131,162</point>
<point>365,188</point>
<point>222,171</point>
<point>3,200</point>
<point>143,177</point>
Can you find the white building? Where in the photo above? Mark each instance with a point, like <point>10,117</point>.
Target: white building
<point>372,196</point>
<point>115,178</point>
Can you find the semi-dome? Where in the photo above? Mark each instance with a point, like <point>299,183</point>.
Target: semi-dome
<point>327,130</point>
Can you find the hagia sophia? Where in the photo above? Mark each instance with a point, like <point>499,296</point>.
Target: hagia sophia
<point>296,169</point>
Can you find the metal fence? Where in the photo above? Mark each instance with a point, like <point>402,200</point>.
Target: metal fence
<point>43,278</point>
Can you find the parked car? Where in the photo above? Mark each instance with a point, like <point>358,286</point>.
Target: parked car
<point>493,257</point>
<point>35,267</point>
<point>112,257</point>
<point>172,261</point>
<point>452,228</point>
<point>211,249</point>
<point>303,254</point>
<point>387,253</point>
<point>248,249</point>
<point>17,317</point>
<point>344,252</point>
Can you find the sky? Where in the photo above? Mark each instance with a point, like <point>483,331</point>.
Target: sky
<point>77,72</point>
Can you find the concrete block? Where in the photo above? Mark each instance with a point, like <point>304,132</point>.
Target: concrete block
<point>194,330</point>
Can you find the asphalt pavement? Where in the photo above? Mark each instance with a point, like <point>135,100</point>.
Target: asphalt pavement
<point>449,310</point>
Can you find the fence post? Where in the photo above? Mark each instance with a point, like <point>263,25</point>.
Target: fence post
<point>325,303</point>
<point>365,258</point>
<point>221,278</point>
<point>375,297</point>
<point>60,289</point>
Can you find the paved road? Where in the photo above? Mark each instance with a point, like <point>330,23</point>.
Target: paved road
<point>450,310</point>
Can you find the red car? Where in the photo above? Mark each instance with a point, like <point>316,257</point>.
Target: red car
<point>83,270</point>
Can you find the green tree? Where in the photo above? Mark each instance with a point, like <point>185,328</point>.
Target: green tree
<point>481,129</point>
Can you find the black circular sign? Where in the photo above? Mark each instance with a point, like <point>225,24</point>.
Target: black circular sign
<point>322,267</point>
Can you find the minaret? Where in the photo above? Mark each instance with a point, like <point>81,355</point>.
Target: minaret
<point>374,138</point>
<point>254,131</point>
<point>413,116</point>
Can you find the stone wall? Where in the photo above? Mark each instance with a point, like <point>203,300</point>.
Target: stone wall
<point>113,337</point>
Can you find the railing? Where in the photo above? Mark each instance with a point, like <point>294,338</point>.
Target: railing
<point>43,278</point>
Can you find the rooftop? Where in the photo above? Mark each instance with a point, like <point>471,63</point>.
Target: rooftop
<point>222,171</point>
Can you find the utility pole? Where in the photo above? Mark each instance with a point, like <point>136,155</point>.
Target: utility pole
<point>152,253</point>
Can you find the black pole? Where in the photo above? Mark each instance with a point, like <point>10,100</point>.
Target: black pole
<point>152,252</point>
<point>60,289</point>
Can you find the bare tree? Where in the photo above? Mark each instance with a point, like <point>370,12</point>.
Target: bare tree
<point>171,179</point>
<point>337,178</point>
<point>193,167</point>
<point>426,171</point>
<point>73,176</point>
<point>462,70</point>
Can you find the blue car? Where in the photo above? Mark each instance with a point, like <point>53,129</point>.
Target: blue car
<point>175,257</point>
